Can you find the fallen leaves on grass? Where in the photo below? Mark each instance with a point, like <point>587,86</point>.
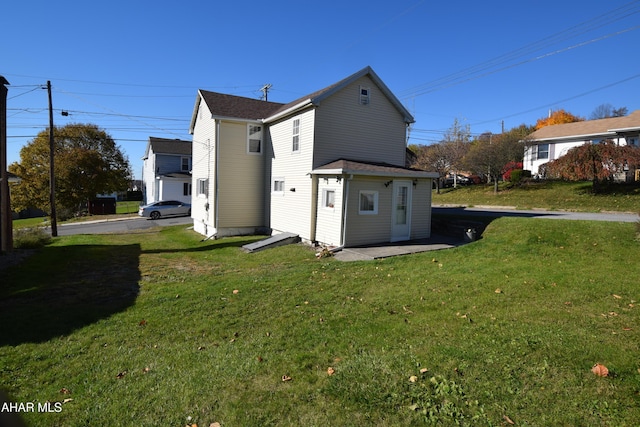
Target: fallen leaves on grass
<point>286,378</point>
<point>64,390</point>
<point>600,370</point>
<point>508,420</point>
<point>121,375</point>
<point>330,371</point>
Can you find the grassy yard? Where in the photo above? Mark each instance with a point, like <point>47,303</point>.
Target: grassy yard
<point>575,196</point>
<point>159,328</point>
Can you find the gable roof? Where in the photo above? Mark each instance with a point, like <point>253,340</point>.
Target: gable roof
<point>238,107</point>
<point>167,146</point>
<point>345,166</point>
<point>589,128</point>
<point>317,97</point>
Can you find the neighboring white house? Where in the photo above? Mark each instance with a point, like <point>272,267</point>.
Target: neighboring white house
<point>329,167</point>
<point>553,142</point>
<point>166,172</point>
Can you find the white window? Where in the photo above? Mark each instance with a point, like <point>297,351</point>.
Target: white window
<point>543,151</point>
<point>184,164</point>
<point>365,94</point>
<point>295,146</point>
<point>203,187</point>
<point>328,198</point>
<point>254,139</point>
<point>278,185</point>
<point>368,202</point>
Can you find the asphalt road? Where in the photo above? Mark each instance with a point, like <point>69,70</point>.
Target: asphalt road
<point>124,225</point>
<point>119,225</point>
<point>489,211</point>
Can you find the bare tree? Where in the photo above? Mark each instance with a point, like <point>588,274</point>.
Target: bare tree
<point>432,158</point>
<point>455,145</point>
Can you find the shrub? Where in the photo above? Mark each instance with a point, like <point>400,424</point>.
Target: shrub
<point>30,238</point>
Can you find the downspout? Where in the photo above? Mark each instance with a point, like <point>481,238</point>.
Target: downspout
<point>314,208</point>
<point>345,204</point>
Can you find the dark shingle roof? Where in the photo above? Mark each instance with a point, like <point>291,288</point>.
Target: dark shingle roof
<point>168,146</point>
<point>232,106</point>
<point>371,168</point>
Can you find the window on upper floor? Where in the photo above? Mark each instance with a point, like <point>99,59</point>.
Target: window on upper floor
<point>185,164</point>
<point>365,95</point>
<point>295,146</point>
<point>254,139</point>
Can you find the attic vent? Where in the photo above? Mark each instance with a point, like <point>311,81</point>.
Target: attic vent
<point>364,95</point>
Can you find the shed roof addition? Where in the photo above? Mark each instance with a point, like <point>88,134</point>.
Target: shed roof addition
<point>347,167</point>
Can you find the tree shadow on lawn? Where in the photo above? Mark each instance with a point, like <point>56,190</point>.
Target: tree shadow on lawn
<point>61,289</point>
<point>213,245</point>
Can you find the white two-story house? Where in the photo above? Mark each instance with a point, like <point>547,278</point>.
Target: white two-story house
<point>166,171</point>
<point>329,167</point>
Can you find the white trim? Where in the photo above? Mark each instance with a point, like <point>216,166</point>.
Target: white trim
<point>375,202</point>
<point>325,199</point>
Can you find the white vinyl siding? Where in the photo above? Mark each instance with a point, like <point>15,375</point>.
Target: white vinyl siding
<point>329,220</point>
<point>345,129</point>
<point>291,210</point>
<point>202,163</point>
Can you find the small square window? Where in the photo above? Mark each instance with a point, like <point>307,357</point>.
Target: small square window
<point>329,198</point>
<point>203,187</point>
<point>368,203</point>
<point>278,185</point>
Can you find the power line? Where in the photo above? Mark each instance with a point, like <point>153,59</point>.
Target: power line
<point>469,73</point>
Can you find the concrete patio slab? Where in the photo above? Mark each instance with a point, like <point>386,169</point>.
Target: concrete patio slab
<point>385,250</point>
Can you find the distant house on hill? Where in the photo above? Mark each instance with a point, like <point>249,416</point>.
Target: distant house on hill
<point>166,172</point>
<point>552,142</point>
<point>329,167</point>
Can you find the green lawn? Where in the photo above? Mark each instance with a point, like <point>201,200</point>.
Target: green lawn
<point>575,196</point>
<point>152,328</point>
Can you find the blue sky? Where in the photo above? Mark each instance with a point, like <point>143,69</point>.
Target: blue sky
<point>134,67</point>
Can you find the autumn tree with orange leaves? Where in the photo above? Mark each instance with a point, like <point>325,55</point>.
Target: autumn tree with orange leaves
<point>558,117</point>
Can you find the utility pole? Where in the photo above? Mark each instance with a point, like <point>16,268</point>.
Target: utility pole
<point>52,179</point>
<point>265,91</point>
<point>6,227</point>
